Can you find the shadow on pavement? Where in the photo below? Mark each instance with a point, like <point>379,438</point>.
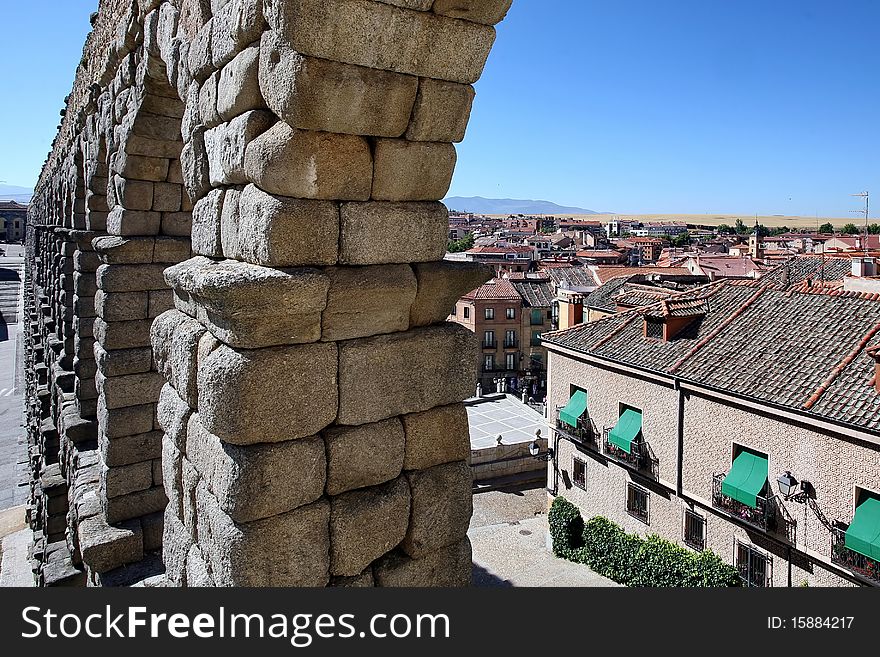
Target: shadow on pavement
<point>484,579</point>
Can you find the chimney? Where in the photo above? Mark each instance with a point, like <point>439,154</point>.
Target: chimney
<point>874,352</point>
<point>864,267</point>
<point>571,309</point>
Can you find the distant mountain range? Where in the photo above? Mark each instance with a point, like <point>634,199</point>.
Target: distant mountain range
<point>15,193</point>
<point>480,205</point>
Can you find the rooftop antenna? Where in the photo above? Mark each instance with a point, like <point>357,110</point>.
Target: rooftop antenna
<point>864,195</point>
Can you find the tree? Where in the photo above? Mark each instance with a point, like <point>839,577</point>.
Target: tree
<point>457,246</point>
<point>682,239</point>
<point>850,229</point>
<point>874,229</point>
<point>781,230</point>
<point>741,228</point>
<point>724,229</point>
<point>827,227</point>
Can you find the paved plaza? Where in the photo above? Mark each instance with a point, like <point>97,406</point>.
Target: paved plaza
<point>505,416</point>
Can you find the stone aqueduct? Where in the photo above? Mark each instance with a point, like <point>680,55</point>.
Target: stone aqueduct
<point>238,365</point>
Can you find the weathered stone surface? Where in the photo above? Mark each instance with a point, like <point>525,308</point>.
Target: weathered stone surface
<point>290,549</point>
<point>208,114</point>
<point>412,170</point>
<point>227,144</point>
<point>133,194</point>
<point>123,361</point>
<point>249,306</point>
<point>122,335</point>
<point>199,55</point>
<point>488,12</point>
<point>442,504</point>
<point>257,481</point>
<point>320,94</point>
<point>129,389</point>
<point>118,250</point>
<point>197,570</point>
<point>364,580</point>
<point>135,505</point>
<point>365,524</point>
<point>382,36</point>
<point>175,339</point>
<point>237,24</point>
<point>167,198</point>
<point>194,165</point>
<point>128,278</point>
<point>129,450</point>
<point>238,89</point>
<point>448,567</point>
<point>438,436</point>
<point>117,422</point>
<point>121,306</point>
<point>441,284</point>
<point>133,222</point>
<point>277,231</point>
<point>175,545</point>
<point>308,164</point>
<point>173,414</point>
<point>171,250</point>
<point>366,301</point>
<point>446,356</point>
<point>363,456</point>
<point>140,167</point>
<point>125,479</point>
<point>104,547</point>
<point>441,111</point>
<point>229,223</point>
<point>206,224</point>
<point>237,402</point>
<point>379,233</point>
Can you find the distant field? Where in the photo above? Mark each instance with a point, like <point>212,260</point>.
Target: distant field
<point>729,219</point>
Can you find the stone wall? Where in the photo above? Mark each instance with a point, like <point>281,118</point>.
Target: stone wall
<point>236,273</point>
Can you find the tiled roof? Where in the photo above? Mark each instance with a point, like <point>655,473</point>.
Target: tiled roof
<point>804,351</point>
<point>577,276</point>
<point>605,297</point>
<point>605,274</point>
<point>535,294</point>
<point>816,268</point>
<point>497,288</point>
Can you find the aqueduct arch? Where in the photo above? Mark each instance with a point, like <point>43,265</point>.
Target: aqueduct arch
<point>238,358</point>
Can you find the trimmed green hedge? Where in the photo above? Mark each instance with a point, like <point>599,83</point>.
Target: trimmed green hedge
<point>630,559</point>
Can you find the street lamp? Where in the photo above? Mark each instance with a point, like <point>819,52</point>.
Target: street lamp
<point>535,449</point>
<point>787,484</point>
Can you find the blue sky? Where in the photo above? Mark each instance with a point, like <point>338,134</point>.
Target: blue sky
<point>632,106</point>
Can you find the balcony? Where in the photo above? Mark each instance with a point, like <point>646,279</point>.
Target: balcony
<point>490,344</point>
<point>584,434</point>
<point>640,457</point>
<point>511,344</point>
<point>763,516</point>
<point>859,564</point>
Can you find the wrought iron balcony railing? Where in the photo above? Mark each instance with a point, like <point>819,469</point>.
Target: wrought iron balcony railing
<point>640,457</point>
<point>583,434</point>
<point>511,344</point>
<point>490,344</point>
<point>851,560</point>
<point>763,516</point>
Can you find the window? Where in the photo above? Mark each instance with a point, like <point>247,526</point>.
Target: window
<point>454,310</point>
<point>654,329</point>
<point>467,312</point>
<point>511,361</point>
<point>510,339</point>
<point>579,473</point>
<point>694,530</point>
<point>536,338</point>
<point>489,339</point>
<point>490,313</point>
<point>637,502</point>
<point>511,313</point>
<point>755,568</point>
<point>537,317</point>
<point>489,363</point>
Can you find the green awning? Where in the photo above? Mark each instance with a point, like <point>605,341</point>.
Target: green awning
<point>627,429</point>
<point>863,535</point>
<point>575,407</point>
<point>746,479</point>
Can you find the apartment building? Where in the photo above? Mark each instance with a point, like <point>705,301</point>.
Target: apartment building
<point>741,416</point>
